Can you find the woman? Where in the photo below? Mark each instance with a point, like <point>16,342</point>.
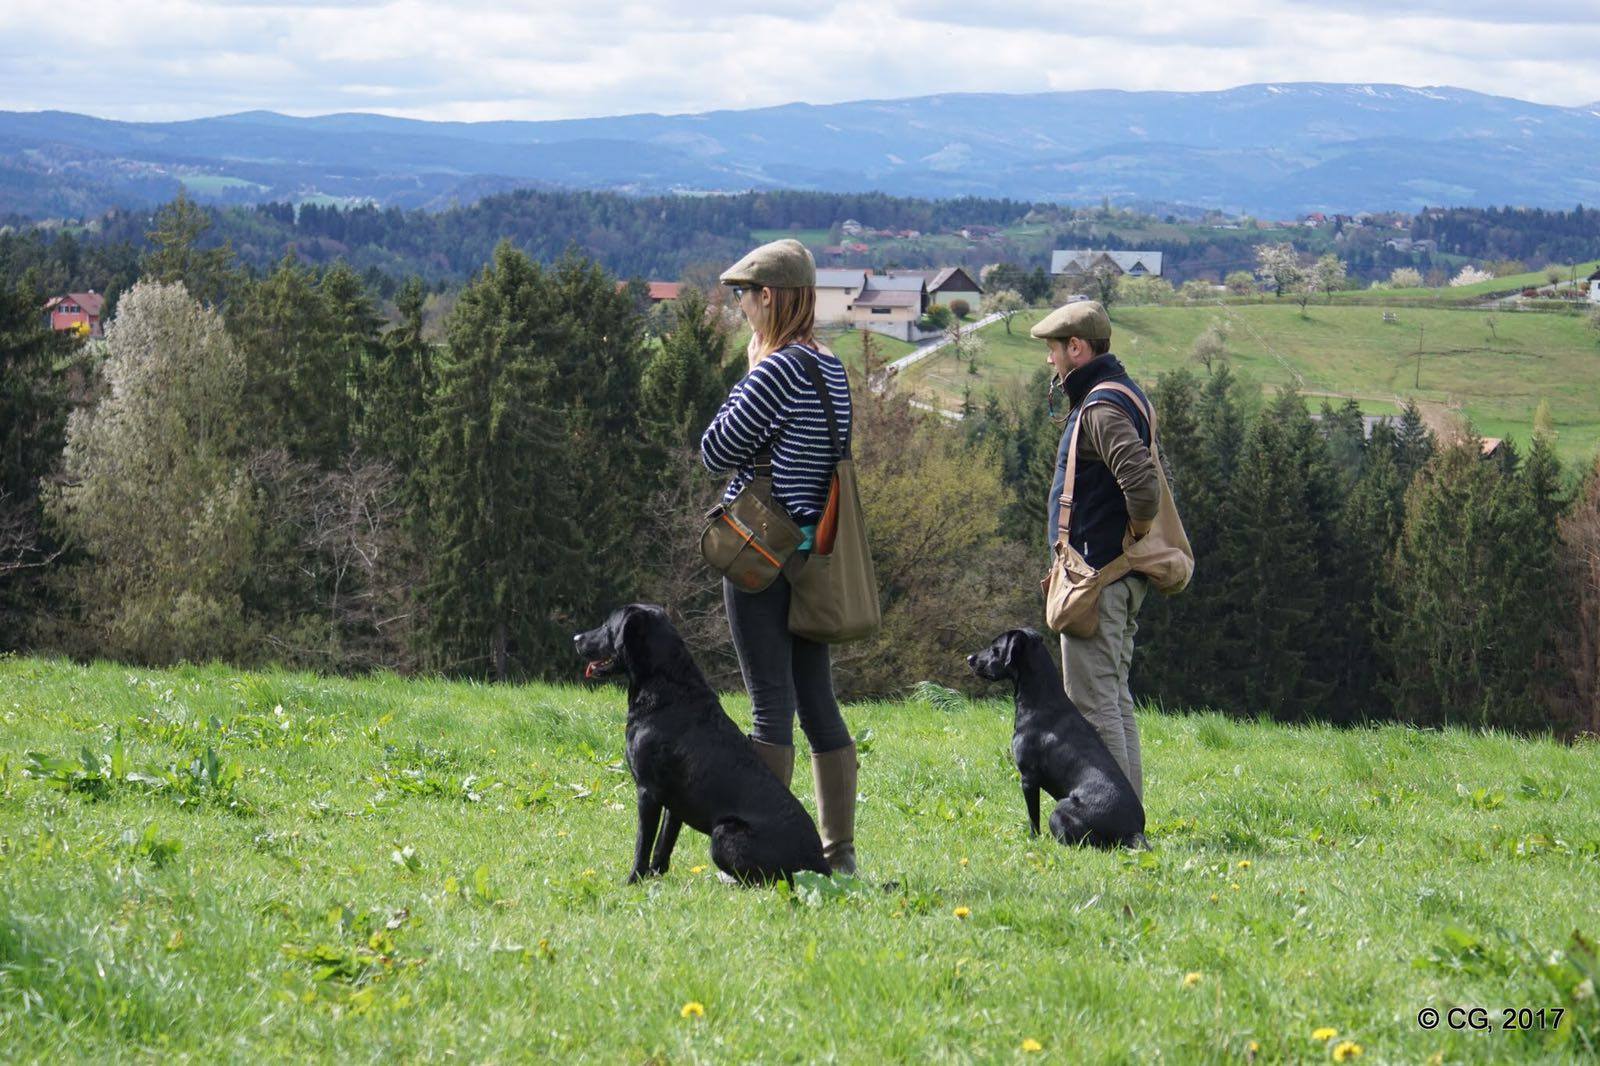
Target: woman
<point>776,407</point>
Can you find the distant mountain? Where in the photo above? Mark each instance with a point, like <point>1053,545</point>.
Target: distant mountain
<point>1276,150</point>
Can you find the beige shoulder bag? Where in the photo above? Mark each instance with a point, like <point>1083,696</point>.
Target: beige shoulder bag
<point>1072,587</point>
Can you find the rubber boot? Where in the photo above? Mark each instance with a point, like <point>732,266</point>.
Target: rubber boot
<point>779,758</point>
<point>835,776</point>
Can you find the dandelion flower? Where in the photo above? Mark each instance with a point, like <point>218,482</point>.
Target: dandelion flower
<point>1326,1032</point>
<point>1253,1047</point>
<point>1031,1045</point>
<point>1244,864</point>
<point>1213,897</point>
<point>963,860</point>
<point>1346,1049</point>
<point>962,912</point>
<point>692,1009</point>
<point>697,869</point>
<point>1190,980</point>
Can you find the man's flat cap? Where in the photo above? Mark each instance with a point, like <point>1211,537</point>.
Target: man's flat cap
<point>784,264</point>
<point>1082,318</point>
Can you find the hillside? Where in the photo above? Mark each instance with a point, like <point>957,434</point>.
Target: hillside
<point>1494,376</point>
<point>1277,150</point>
<point>415,870</point>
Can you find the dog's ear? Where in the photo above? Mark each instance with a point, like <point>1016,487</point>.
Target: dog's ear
<point>634,625</point>
<point>1011,646</point>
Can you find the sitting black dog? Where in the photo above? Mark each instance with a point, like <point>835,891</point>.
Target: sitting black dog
<point>1056,749</point>
<point>688,758</point>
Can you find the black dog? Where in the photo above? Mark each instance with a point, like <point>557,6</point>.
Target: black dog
<point>1056,749</point>
<point>688,758</point>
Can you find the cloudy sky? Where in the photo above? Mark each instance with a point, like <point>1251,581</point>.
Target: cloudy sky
<point>495,59</point>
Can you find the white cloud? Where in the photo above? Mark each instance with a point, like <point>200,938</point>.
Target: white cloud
<point>454,59</point>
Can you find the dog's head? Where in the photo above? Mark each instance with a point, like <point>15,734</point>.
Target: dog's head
<point>1002,658</point>
<point>623,641</point>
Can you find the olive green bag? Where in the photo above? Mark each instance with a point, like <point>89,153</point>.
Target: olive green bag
<point>749,539</point>
<point>835,589</point>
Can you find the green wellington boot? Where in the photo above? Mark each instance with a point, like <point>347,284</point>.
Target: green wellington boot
<point>779,758</point>
<point>835,776</point>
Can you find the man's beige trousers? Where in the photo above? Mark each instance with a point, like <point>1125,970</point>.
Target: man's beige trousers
<point>1097,674</point>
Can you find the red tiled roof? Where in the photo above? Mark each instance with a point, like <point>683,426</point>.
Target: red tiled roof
<point>91,302</point>
<point>665,290</point>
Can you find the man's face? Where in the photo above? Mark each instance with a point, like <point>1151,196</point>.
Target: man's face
<point>1068,355</point>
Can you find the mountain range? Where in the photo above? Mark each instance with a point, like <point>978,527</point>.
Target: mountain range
<point>1277,150</point>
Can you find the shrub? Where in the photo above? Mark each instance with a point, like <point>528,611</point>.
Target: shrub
<point>960,308</point>
<point>1406,278</point>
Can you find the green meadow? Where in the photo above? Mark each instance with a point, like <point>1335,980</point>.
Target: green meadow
<point>205,865</point>
<point>1493,373</point>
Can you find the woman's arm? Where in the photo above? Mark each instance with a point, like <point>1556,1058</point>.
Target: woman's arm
<point>747,421</point>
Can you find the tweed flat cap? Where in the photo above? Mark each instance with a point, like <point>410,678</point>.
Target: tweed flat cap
<point>1082,318</point>
<point>784,264</point>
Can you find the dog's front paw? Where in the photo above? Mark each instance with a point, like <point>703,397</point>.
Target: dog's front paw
<point>635,876</point>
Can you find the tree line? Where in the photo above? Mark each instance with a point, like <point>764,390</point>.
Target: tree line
<point>270,469</point>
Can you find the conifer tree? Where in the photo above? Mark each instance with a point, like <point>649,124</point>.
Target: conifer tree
<point>396,385</point>
<point>1272,612</point>
<point>681,387</point>
<point>1414,442</point>
<point>503,504</point>
<point>208,275</point>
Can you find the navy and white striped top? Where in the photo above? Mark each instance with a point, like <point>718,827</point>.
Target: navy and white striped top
<point>776,405</point>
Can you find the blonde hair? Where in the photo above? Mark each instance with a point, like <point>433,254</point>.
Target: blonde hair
<point>792,319</point>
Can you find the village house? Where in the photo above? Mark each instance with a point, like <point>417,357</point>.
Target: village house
<point>658,291</point>
<point>943,286</point>
<point>891,305</point>
<point>1078,262</point>
<point>1594,287</point>
<point>78,312</point>
<point>836,293</point>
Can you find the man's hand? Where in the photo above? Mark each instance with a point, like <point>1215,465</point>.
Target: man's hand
<point>1139,529</point>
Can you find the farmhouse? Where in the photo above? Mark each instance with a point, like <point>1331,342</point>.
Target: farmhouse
<point>77,311</point>
<point>1594,287</point>
<point>890,305</point>
<point>943,286</point>
<point>836,292</point>
<point>1087,261</point>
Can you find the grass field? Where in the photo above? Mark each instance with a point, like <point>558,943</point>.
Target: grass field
<point>1496,378</point>
<point>415,870</point>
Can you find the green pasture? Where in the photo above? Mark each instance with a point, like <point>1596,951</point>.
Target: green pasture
<point>204,865</point>
<point>1494,376</point>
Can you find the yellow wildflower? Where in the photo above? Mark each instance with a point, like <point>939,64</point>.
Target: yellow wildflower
<point>698,869</point>
<point>1031,1045</point>
<point>1253,1047</point>
<point>1244,864</point>
<point>1190,980</point>
<point>1346,1049</point>
<point>963,860</point>
<point>1213,897</point>
<point>962,912</point>
<point>1326,1032</point>
<point>692,1009</point>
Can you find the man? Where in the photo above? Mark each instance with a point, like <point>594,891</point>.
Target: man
<point>1116,490</point>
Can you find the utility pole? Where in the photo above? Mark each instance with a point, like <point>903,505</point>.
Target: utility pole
<point>1422,331</point>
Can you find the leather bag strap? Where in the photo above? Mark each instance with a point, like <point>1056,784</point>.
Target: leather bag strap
<point>1064,515</point>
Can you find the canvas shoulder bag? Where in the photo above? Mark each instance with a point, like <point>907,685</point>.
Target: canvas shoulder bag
<point>835,589</point>
<point>749,538</point>
<point>1072,587</point>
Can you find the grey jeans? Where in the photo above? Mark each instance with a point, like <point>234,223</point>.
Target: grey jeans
<point>784,674</point>
<point>1097,674</point>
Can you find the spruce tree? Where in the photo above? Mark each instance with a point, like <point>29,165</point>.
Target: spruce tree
<point>1272,613</point>
<point>681,387</point>
<point>1371,522</point>
<point>397,382</point>
<point>299,388</point>
<point>503,500</point>
<point>33,415</point>
<point>1414,442</point>
<point>209,275</point>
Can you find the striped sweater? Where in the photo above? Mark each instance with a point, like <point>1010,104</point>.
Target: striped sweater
<point>776,406</point>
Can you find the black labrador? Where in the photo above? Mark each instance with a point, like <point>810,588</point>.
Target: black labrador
<point>690,760</point>
<point>1056,749</point>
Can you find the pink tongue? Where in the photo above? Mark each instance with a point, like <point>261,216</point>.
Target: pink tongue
<point>588,671</point>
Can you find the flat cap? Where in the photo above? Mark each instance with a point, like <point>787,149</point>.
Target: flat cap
<point>1082,318</point>
<point>784,264</point>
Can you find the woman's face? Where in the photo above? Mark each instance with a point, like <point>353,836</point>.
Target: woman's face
<point>754,302</point>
